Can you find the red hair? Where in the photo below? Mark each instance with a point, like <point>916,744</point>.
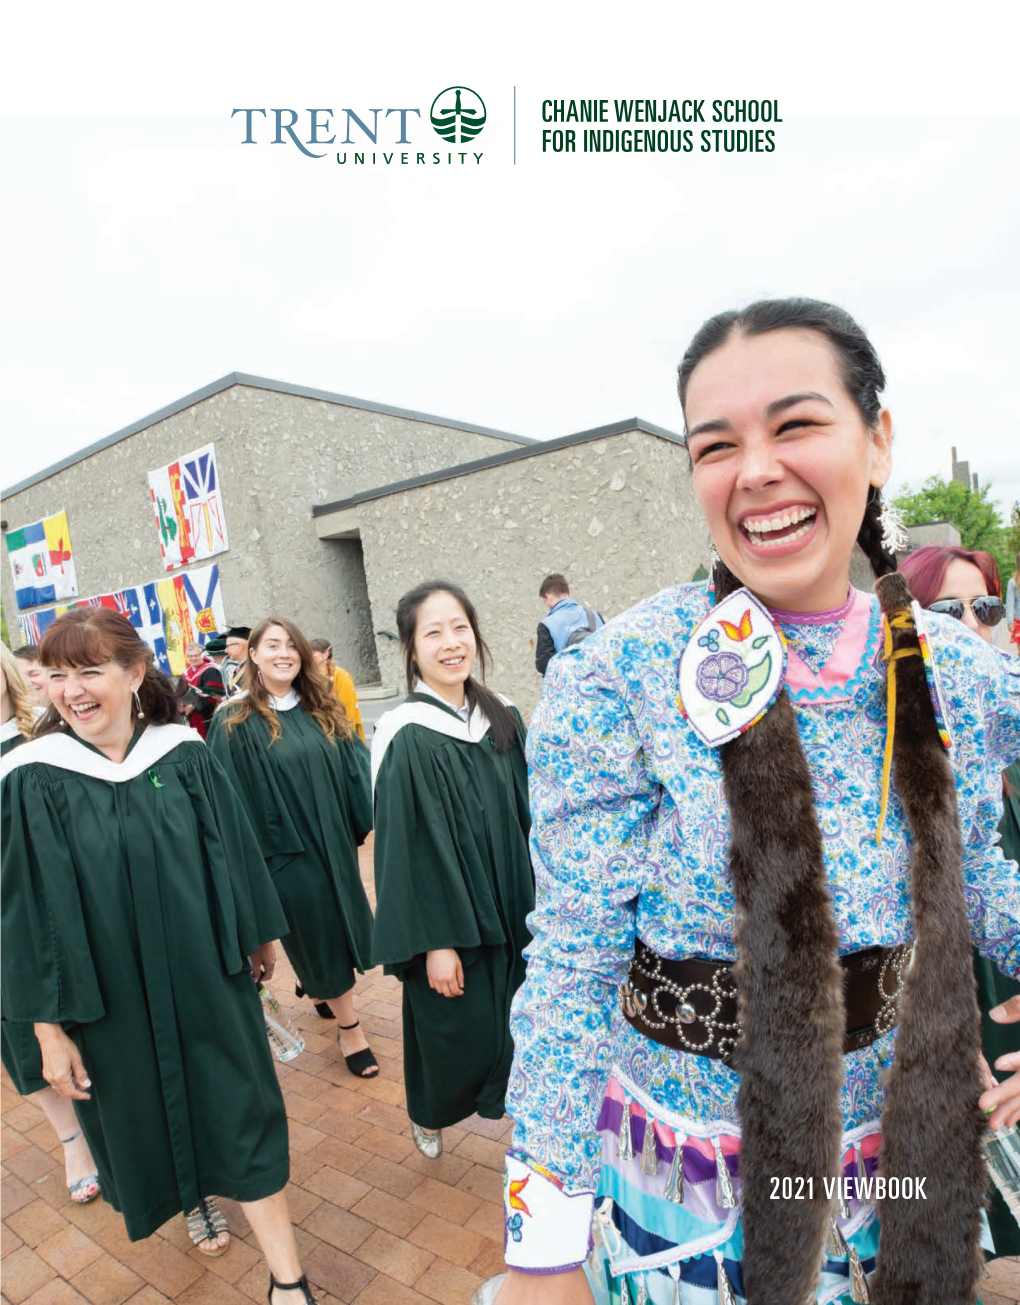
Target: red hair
<point>926,569</point>
<point>89,636</point>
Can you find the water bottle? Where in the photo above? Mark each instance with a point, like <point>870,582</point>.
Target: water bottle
<point>284,1038</point>
<point>1002,1151</point>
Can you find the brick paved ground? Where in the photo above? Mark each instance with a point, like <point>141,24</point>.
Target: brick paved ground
<point>377,1223</point>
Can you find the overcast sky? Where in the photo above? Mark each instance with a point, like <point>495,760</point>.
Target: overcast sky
<point>146,251</point>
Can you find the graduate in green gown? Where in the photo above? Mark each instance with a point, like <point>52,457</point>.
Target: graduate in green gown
<point>452,870</point>
<point>136,911</point>
<point>303,776</point>
<point>18,1046</point>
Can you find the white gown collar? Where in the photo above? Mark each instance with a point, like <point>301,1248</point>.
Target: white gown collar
<point>67,752</point>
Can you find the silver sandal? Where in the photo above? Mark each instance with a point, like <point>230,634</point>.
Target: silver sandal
<point>205,1223</point>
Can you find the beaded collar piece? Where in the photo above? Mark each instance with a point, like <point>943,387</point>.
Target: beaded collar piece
<point>732,669</point>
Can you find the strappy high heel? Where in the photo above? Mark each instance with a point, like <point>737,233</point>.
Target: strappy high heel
<point>79,1191</point>
<point>360,1063</point>
<point>322,1008</point>
<point>300,1285</point>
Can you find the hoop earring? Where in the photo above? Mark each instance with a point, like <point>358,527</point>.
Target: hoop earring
<point>138,707</point>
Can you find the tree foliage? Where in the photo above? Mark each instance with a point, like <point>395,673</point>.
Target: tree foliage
<point>974,513</point>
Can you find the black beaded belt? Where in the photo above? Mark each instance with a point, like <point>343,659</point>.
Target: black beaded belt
<point>691,1004</point>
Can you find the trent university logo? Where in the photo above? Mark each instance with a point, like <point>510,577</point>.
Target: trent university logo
<point>458,115</point>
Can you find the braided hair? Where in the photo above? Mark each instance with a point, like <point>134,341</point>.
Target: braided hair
<point>788,976</point>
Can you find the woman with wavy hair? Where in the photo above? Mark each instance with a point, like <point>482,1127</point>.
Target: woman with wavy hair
<point>303,776</point>
<point>342,682</point>
<point>452,872</point>
<point>136,911</point>
<point>760,873</point>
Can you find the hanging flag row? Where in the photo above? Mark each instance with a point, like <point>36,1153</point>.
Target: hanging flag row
<point>42,562</point>
<point>186,499</point>
<point>168,614</point>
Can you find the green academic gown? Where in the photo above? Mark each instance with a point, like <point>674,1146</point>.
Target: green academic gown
<point>309,800</point>
<point>994,987</point>
<point>452,869</point>
<point>133,895</point>
<point>19,1048</point>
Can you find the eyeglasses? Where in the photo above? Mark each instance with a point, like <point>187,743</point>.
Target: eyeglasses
<point>987,609</point>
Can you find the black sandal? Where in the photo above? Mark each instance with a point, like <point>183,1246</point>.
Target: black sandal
<point>300,1285</point>
<point>360,1063</point>
<point>322,1008</point>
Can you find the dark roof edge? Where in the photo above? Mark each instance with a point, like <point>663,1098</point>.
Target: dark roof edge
<point>255,383</point>
<point>535,449</point>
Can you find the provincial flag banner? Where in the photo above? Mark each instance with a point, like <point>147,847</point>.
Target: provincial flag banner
<point>186,501</point>
<point>168,614</point>
<point>42,562</point>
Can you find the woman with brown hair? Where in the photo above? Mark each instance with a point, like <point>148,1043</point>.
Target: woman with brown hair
<point>136,911</point>
<point>342,682</point>
<point>303,776</point>
<point>20,1050</point>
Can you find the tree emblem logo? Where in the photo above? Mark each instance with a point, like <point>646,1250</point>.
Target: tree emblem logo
<point>458,114</point>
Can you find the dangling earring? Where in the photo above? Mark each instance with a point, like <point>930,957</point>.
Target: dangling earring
<point>258,676</point>
<point>713,556</point>
<point>894,533</point>
<point>138,707</point>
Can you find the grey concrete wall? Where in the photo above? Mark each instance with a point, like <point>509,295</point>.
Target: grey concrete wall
<point>277,454</point>
<point>615,515</point>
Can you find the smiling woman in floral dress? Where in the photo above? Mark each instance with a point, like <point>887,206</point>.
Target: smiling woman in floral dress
<point>794,809</point>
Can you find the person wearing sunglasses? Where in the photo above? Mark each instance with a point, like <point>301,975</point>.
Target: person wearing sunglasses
<point>965,585</point>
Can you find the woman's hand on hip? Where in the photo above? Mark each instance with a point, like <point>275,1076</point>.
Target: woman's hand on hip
<point>62,1065</point>
<point>446,974</point>
<point>1004,1100</point>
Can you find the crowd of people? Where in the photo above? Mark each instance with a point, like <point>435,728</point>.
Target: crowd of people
<point>729,937</point>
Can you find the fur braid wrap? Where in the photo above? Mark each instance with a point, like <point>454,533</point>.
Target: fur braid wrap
<point>931,1124</point>
<point>789,990</point>
<point>790,993</point>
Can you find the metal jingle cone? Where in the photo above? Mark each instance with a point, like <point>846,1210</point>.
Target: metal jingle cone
<point>675,1181</point>
<point>625,1145</point>
<point>844,1208</point>
<point>859,1292</point>
<point>725,1196</point>
<point>649,1151</point>
<point>835,1242</point>
<point>677,1299</point>
<point>642,1292</point>
<point>859,1158</point>
<point>624,1291</point>
<point>724,1288</point>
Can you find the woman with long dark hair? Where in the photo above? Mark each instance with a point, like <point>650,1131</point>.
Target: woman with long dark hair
<point>452,871</point>
<point>136,911</point>
<point>760,872</point>
<point>303,776</point>
<point>964,584</point>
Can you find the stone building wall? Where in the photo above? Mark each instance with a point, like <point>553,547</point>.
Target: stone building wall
<point>615,515</point>
<point>277,453</point>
